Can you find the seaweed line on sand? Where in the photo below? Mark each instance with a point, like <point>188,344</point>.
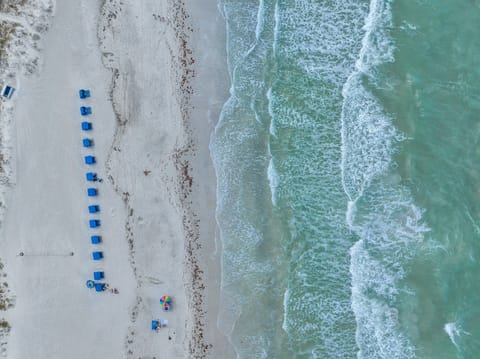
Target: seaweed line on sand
<point>109,12</point>
<point>183,73</point>
<point>198,347</point>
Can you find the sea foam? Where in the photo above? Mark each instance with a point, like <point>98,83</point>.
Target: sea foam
<point>251,261</point>
<point>453,331</point>
<point>382,214</point>
<point>315,48</point>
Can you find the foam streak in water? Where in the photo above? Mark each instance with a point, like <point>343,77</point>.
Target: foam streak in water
<point>380,211</point>
<point>453,331</point>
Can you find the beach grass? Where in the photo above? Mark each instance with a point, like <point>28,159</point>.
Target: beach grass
<point>11,5</point>
<point>6,31</point>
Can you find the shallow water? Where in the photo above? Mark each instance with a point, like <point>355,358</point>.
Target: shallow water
<point>347,188</point>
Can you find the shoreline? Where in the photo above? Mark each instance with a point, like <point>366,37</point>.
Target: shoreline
<point>210,87</point>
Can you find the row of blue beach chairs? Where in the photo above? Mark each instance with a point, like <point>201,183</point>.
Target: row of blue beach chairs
<point>94,223</point>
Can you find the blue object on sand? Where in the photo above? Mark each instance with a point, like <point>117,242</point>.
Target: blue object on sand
<point>94,208</point>
<point>85,110</point>
<point>84,93</point>
<point>90,283</point>
<point>155,324</point>
<point>94,223</point>
<point>98,275</point>
<point>86,126</point>
<point>96,239</point>
<point>97,256</point>
<point>92,192</point>
<point>91,176</point>
<point>7,91</point>
<point>99,287</point>
<point>90,160</point>
<point>87,142</point>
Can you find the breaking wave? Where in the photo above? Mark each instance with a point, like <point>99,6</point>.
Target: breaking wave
<point>380,210</point>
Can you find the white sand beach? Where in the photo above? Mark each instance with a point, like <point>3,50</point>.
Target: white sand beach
<point>147,66</point>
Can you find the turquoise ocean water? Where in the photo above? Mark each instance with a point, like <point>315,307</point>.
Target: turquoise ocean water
<point>347,159</point>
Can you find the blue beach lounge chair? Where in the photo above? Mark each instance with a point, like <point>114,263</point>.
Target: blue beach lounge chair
<point>92,192</point>
<point>85,110</point>
<point>98,275</point>
<point>94,223</point>
<point>84,93</point>
<point>87,142</point>
<point>91,176</point>
<point>94,208</point>
<point>97,256</point>
<point>86,126</point>
<point>95,239</point>
<point>99,287</point>
<point>90,160</point>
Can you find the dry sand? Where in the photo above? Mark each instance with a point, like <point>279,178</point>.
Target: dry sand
<point>158,81</point>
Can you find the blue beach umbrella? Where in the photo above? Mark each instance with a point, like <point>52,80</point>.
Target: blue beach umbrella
<point>92,192</point>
